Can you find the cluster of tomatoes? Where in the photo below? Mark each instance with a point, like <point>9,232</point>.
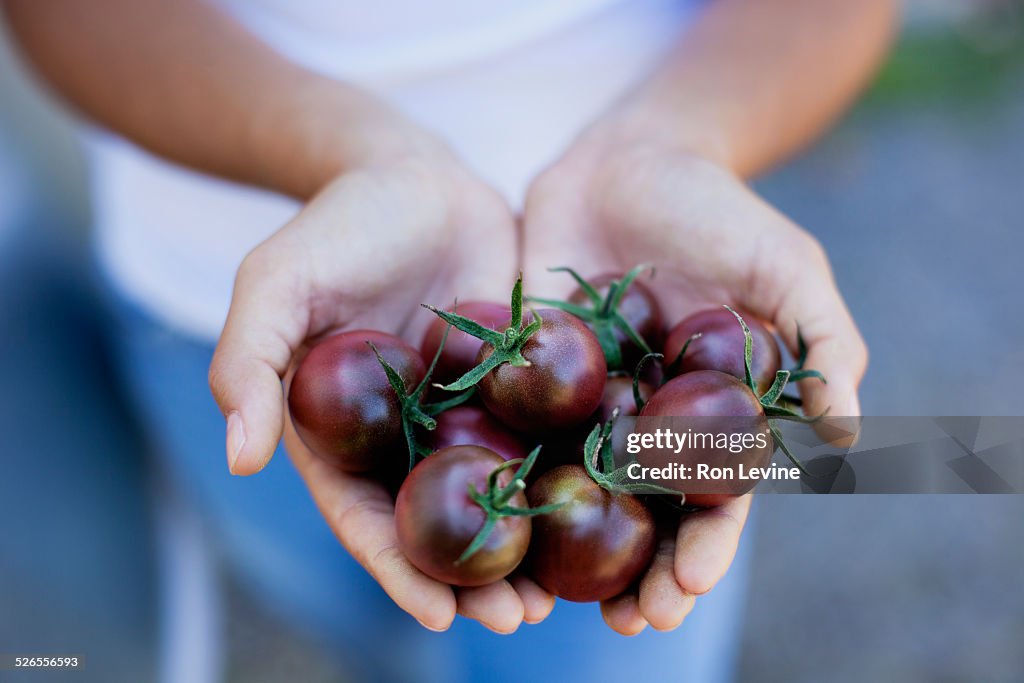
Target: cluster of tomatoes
<point>500,448</point>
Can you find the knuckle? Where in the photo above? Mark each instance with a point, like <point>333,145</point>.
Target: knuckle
<point>384,562</point>
<point>353,516</point>
<point>378,560</point>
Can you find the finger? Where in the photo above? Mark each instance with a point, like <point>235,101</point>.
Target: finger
<point>663,603</point>
<point>809,298</point>
<point>497,606</point>
<point>362,516</point>
<point>266,323</point>
<point>622,614</point>
<point>706,544</point>
<point>537,602</point>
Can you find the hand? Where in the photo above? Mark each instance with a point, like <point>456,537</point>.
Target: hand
<point>607,206</point>
<point>364,253</point>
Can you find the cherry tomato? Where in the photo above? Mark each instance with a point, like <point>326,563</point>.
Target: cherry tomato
<point>709,394</point>
<point>566,447</point>
<point>436,519</point>
<point>461,349</point>
<point>559,388</point>
<point>472,426</point>
<point>596,545</point>
<point>720,346</point>
<point>640,309</point>
<point>618,393</point>
<point>341,403</point>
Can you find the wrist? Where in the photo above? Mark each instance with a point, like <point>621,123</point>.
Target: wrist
<point>627,145</point>
<point>327,128</point>
<point>644,124</point>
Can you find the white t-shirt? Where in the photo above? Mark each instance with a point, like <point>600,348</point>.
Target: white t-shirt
<point>507,84</point>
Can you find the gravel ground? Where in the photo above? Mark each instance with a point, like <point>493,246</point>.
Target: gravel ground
<point>919,207</point>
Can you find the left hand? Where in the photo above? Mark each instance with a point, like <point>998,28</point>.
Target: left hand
<point>372,245</point>
<point>609,205</point>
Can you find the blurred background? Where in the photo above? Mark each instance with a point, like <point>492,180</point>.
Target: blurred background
<point>918,198</point>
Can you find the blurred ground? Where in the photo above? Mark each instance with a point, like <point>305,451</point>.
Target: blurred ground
<point>917,200</point>
<point>917,197</point>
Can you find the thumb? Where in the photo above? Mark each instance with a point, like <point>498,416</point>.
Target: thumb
<point>266,323</point>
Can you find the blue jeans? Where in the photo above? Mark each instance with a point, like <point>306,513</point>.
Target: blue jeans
<point>269,531</point>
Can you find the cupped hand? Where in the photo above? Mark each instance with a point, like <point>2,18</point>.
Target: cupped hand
<point>365,252</point>
<point>606,207</point>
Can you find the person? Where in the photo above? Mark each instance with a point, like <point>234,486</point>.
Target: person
<point>346,163</point>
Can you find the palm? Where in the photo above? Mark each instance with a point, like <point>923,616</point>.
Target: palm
<point>433,239</point>
<point>365,253</point>
<point>655,211</point>
<point>712,241</point>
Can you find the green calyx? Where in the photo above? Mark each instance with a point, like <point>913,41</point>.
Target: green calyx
<point>413,411</point>
<point>769,399</point>
<point>799,372</point>
<point>599,461</point>
<point>495,501</point>
<point>507,344</point>
<point>637,398</point>
<point>673,368</point>
<point>603,315</point>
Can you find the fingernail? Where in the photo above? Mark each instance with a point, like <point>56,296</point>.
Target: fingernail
<point>236,439</point>
<point>431,628</point>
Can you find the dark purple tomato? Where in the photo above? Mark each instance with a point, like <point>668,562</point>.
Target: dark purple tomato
<point>566,447</point>
<point>723,405</point>
<point>461,349</point>
<point>720,346</point>
<point>704,393</point>
<point>562,385</point>
<point>593,547</point>
<point>343,407</point>
<point>436,519</point>
<point>618,393</point>
<point>472,426</point>
<point>640,309</point>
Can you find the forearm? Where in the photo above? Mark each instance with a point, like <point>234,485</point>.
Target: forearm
<point>754,81</point>
<point>189,84</point>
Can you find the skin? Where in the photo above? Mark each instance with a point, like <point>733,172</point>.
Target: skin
<point>469,425</point>
<point>593,547</point>
<point>720,346</point>
<point>562,385</point>
<point>660,178</point>
<point>343,407</point>
<point>437,520</point>
<point>638,306</point>
<point>682,141</point>
<point>461,349</point>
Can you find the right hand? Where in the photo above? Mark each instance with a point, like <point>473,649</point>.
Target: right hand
<point>365,252</point>
<point>611,206</point>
